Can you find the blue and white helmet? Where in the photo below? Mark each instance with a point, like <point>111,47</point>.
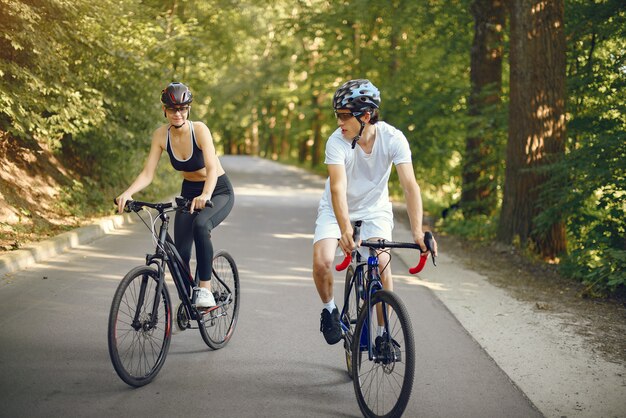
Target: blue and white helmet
<point>356,96</point>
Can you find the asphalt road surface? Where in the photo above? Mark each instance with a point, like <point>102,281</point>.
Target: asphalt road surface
<point>53,328</point>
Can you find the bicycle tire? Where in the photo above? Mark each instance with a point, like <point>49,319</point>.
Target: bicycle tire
<point>383,385</point>
<point>137,351</point>
<point>218,325</point>
<point>354,301</point>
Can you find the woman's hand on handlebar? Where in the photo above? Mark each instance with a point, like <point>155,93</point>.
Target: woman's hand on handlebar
<point>200,202</point>
<point>121,201</point>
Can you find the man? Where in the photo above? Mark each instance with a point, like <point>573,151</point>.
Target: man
<point>359,155</point>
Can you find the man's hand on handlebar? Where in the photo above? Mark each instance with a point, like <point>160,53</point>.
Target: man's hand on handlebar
<point>346,242</point>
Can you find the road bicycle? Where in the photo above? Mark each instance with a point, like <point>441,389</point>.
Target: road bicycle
<point>140,320</point>
<point>381,364</point>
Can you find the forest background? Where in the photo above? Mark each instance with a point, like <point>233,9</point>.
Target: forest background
<point>514,109</point>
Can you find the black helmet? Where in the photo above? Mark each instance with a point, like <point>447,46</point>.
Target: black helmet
<point>176,94</point>
<point>357,95</point>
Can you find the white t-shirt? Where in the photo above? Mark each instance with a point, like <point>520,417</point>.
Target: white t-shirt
<point>367,174</point>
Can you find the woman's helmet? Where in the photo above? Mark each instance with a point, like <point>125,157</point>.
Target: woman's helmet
<point>356,96</point>
<point>176,94</point>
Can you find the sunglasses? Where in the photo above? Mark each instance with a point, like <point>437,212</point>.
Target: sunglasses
<point>173,110</point>
<point>347,116</point>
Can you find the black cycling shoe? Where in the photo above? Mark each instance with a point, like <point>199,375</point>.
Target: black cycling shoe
<point>387,350</point>
<point>330,327</point>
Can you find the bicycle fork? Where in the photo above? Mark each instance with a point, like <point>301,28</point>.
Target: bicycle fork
<point>141,323</point>
<point>366,341</point>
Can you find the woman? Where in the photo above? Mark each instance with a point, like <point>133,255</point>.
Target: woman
<point>192,152</point>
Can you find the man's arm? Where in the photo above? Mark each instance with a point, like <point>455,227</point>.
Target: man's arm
<point>338,193</point>
<point>413,198</point>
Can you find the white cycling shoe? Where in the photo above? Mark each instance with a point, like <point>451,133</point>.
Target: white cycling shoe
<point>205,298</point>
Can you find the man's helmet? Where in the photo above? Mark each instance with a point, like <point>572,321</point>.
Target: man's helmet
<point>356,96</point>
<point>176,94</point>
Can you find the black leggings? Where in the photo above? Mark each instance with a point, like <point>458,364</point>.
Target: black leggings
<point>196,227</point>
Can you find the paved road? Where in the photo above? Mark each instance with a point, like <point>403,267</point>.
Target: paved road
<point>53,318</point>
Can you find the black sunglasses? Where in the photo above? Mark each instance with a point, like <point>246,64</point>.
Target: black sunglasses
<point>181,109</point>
<point>347,116</point>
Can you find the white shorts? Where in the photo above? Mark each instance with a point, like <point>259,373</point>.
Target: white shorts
<point>326,226</point>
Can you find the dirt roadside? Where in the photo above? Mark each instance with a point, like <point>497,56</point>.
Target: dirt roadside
<point>601,322</point>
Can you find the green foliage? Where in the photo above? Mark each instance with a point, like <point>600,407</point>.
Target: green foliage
<point>80,197</point>
<point>84,79</point>
<point>479,228</point>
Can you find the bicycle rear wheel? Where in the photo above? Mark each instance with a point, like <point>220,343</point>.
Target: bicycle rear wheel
<point>384,382</point>
<point>139,341</point>
<point>217,325</point>
<point>354,301</point>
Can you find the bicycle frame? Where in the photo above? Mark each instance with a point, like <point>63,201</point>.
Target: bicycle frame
<point>356,282</point>
<point>166,254</point>
<point>365,291</point>
<point>373,282</point>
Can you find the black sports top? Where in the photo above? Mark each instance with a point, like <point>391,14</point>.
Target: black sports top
<point>195,161</point>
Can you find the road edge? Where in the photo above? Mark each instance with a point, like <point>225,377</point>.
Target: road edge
<point>42,250</point>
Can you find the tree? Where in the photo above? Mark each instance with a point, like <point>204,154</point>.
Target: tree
<point>595,162</point>
<point>482,156</point>
<point>536,122</point>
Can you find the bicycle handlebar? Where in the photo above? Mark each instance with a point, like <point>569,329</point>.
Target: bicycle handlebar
<point>382,244</point>
<point>178,203</point>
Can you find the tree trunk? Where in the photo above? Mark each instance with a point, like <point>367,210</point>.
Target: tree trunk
<point>273,138</point>
<point>318,143</point>
<point>285,144</point>
<point>480,166</point>
<point>254,133</point>
<point>536,121</point>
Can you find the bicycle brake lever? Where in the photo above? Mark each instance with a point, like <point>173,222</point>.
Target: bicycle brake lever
<point>429,241</point>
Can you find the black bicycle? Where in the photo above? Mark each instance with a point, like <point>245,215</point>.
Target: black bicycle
<point>381,364</point>
<point>140,320</point>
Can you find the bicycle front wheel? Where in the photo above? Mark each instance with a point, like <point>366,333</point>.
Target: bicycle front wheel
<point>140,324</point>
<point>383,381</point>
<point>218,324</point>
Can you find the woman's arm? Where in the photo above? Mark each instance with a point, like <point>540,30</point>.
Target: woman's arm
<point>205,142</point>
<point>147,174</point>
